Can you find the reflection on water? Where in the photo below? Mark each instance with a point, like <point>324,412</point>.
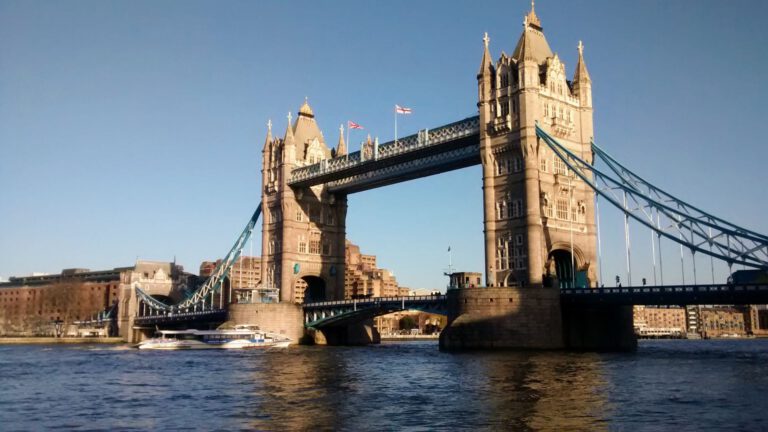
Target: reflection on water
<point>393,386</point>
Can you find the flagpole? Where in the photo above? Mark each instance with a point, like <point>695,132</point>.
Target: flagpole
<point>349,145</point>
<point>395,124</point>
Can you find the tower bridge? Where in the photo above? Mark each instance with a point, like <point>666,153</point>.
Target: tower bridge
<point>533,137</point>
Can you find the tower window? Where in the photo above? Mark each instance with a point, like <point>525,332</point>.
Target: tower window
<point>314,243</point>
<point>562,209</point>
<point>517,164</point>
<point>302,244</point>
<point>517,208</point>
<point>560,167</point>
<point>501,209</point>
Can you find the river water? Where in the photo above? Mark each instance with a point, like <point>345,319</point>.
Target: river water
<point>667,385</point>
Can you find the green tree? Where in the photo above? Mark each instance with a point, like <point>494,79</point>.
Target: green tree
<point>407,323</point>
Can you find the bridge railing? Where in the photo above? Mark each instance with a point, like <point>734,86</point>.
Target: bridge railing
<point>373,300</point>
<point>424,138</point>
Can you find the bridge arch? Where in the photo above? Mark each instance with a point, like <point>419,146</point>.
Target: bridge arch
<point>568,272</point>
<point>314,288</point>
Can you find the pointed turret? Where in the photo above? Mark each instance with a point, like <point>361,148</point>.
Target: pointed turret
<point>485,63</point>
<point>289,142</point>
<point>485,81</point>
<point>307,131</point>
<point>581,74</point>
<point>532,18</point>
<point>582,83</point>
<point>532,44</point>
<point>341,148</point>
<point>268,141</point>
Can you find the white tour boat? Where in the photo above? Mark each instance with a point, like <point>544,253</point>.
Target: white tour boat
<point>237,338</point>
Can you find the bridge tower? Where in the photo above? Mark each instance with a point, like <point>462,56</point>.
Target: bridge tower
<point>304,229</point>
<point>539,218</point>
<point>540,233</point>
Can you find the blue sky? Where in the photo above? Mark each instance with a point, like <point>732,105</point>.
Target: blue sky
<point>134,129</point>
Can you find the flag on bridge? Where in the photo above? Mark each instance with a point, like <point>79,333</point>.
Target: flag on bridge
<point>353,125</point>
<point>402,110</point>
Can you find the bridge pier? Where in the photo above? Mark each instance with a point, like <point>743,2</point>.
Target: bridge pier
<point>533,318</point>
<point>286,319</point>
<point>359,333</point>
<point>503,317</point>
<point>599,328</point>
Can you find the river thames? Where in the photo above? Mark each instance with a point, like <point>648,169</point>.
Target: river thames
<point>666,385</point>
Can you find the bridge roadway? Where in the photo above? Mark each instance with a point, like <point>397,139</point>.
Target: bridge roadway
<point>342,312</point>
<point>446,148</point>
<point>682,295</point>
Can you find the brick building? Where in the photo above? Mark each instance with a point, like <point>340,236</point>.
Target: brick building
<point>30,305</point>
<point>362,278</point>
<point>660,321</point>
<point>245,274</point>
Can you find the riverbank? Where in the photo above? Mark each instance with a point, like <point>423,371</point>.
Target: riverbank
<point>407,338</point>
<point>53,340</point>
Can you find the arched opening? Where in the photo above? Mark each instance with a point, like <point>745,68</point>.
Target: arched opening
<point>563,268</point>
<point>314,290</point>
<point>510,280</point>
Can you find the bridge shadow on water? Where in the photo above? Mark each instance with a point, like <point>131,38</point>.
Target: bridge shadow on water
<point>413,385</point>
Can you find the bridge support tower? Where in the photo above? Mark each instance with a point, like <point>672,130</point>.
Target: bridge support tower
<point>303,232</point>
<point>539,219</point>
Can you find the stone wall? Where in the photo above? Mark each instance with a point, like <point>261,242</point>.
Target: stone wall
<point>503,317</point>
<point>286,319</point>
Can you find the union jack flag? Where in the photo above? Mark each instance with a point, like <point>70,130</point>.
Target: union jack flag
<point>353,125</point>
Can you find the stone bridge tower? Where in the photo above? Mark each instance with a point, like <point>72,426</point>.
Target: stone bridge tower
<point>536,210</point>
<point>304,229</point>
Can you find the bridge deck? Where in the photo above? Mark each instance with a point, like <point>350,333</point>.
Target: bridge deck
<point>668,295</point>
<point>449,147</point>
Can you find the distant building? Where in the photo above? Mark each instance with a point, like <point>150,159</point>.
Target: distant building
<point>245,274</point>
<point>362,278</point>
<point>724,321</point>
<point>30,305</point>
<point>464,280</point>
<point>660,321</point>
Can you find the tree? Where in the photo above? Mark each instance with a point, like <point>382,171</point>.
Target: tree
<point>407,323</point>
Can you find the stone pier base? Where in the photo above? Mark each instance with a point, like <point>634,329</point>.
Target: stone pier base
<point>286,319</point>
<point>599,328</point>
<point>502,318</point>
